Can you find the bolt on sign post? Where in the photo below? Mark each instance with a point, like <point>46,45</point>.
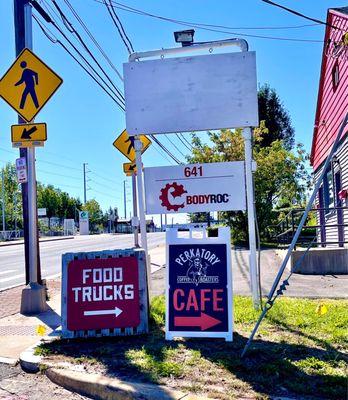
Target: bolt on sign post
<point>195,93</point>
<point>199,285</point>
<point>104,293</point>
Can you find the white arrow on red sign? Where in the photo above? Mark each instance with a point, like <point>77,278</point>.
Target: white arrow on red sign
<point>117,311</point>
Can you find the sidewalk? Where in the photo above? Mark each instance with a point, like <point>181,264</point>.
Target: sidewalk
<point>43,239</point>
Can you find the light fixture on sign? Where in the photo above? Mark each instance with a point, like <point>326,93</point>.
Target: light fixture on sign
<point>184,37</point>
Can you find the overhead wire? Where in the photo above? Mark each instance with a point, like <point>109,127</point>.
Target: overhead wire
<point>184,142</point>
<point>200,26</point>
<point>55,40</point>
<point>94,40</point>
<point>70,28</point>
<point>175,146</point>
<point>84,45</point>
<point>121,26</point>
<point>318,21</point>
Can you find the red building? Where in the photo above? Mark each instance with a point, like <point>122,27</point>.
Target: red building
<point>332,106</point>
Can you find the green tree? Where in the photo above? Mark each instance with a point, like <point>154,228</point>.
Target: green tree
<point>276,118</point>
<point>280,178</point>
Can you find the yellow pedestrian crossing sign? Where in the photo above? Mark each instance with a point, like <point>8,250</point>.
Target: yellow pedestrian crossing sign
<point>125,144</point>
<point>28,85</point>
<point>129,168</point>
<point>28,135</point>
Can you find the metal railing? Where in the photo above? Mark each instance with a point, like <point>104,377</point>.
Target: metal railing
<point>329,227</point>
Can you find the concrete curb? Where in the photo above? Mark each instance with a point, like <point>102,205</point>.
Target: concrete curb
<point>29,361</point>
<point>9,361</point>
<point>54,239</point>
<point>103,388</point>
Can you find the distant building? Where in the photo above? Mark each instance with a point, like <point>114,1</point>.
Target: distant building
<point>332,105</point>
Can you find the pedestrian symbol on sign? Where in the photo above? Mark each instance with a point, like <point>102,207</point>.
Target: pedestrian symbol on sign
<point>30,79</point>
<point>131,144</point>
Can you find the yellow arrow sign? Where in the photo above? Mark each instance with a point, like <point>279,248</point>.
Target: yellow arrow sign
<point>129,168</point>
<point>28,85</point>
<point>125,144</point>
<point>28,135</point>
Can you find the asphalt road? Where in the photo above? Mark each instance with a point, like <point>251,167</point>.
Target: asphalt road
<point>12,257</point>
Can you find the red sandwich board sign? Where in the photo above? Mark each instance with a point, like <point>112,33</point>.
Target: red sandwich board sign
<point>102,292</point>
<point>199,286</point>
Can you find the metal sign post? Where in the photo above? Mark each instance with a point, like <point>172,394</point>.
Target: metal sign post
<point>247,133</point>
<point>34,295</point>
<point>141,205</point>
<point>135,211</point>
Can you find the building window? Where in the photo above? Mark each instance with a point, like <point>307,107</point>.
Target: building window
<point>335,75</point>
<point>329,201</point>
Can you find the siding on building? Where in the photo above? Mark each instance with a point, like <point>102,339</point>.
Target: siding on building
<point>331,218</point>
<point>332,103</point>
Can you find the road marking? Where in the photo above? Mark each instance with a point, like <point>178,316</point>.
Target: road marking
<point>7,271</point>
<point>11,278</point>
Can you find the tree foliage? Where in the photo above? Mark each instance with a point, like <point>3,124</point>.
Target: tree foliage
<point>276,118</point>
<point>280,179</point>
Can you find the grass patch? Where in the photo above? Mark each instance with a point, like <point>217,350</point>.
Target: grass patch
<point>296,353</point>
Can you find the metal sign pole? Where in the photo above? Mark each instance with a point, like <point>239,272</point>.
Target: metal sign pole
<point>141,205</point>
<point>135,211</point>
<point>247,133</point>
<point>34,295</point>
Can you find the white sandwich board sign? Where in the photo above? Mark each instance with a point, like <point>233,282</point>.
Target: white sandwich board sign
<point>188,94</point>
<point>199,285</point>
<point>195,188</point>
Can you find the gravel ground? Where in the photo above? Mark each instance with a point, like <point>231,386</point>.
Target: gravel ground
<point>18,385</point>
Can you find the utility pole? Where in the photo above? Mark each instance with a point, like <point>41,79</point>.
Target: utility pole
<point>125,200</point>
<point>84,183</point>
<point>3,202</point>
<point>33,295</point>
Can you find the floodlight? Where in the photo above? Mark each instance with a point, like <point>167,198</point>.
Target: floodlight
<point>184,37</point>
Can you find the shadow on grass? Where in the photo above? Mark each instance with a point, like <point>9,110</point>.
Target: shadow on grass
<point>269,368</point>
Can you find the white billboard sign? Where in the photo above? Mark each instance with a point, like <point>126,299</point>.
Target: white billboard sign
<point>191,93</point>
<point>41,212</point>
<point>195,188</point>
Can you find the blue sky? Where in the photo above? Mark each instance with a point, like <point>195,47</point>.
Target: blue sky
<point>83,122</point>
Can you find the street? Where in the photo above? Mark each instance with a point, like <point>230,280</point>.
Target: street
<point>12,257</point>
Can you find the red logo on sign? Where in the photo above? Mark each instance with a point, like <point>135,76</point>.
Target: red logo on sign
<point>103,294</point>
<point>174,190</point>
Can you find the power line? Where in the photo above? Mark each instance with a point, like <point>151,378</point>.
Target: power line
<point>125,7</point>
<point>121,26</point>
<point>202,27</point>
<point>71,29</point>
<point>117,26</point>
<point>318,21</point>
<point>174,145</point>
<point>55,40</point>
<point>188,146</point>
<point>93,39</point>
<point>153,137</point>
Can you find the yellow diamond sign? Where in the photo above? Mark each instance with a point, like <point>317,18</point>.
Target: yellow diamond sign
<point>28,85</point>
<point>125,144</point>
